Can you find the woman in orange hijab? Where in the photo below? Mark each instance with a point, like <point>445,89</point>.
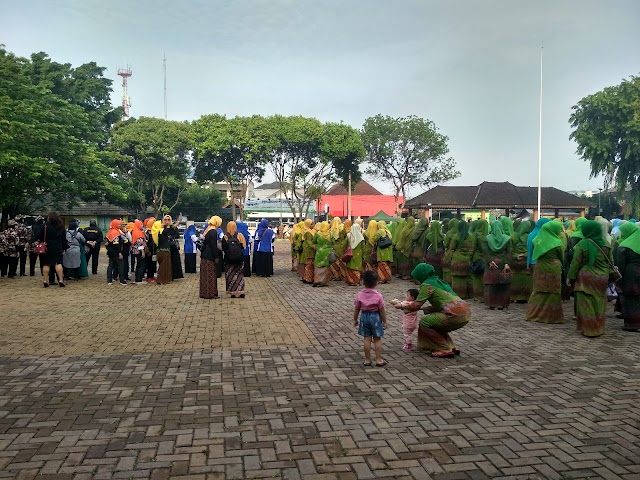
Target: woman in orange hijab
<point>115,245</point>
<point>233,244</point>
<point>138,246</point>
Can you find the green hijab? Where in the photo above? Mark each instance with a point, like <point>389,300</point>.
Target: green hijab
<point>591,232</point>
<point>420,230</point>
<point>463,230</point>
<point>482,228</point>
<point>452,229</point>
<point>473,226</point>
<point>404,240</point>
<point>425,273</point>
<point>396,235</point>
<point>497,239</point>
<point>578,232</point>
<point>435,235</point>
<point>547,239</point>
<point>507,225</point>
<point>631,237</point>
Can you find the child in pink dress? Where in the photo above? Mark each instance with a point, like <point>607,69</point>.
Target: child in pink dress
<point>409,319</point>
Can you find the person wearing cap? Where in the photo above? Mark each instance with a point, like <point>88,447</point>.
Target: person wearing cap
<point>93,236</point>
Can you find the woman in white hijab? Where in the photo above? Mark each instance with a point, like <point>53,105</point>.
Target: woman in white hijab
<point>353,255</point>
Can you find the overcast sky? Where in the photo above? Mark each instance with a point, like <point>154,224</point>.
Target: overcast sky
<point>471,66</point>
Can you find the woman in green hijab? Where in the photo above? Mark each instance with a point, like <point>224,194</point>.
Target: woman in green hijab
<point>463,246</point>
<point>507,225</point>
<point>419,240</point>
<point>384,255</point>
<point>446,313</point>
<point>545,303</point>
<point>435,250</point>
<point>394,244</point>
<point>589,277</point>
<point>452,229</point>
<point>497,272</point>
<point>628,261</point>
<point>521,280</point>
<point>478,265</point>
<point>403,249</point>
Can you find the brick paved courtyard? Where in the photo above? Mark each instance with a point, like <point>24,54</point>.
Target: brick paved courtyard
<point>153,382</point>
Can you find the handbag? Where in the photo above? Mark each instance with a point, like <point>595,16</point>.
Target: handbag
<point>384,242</point>
<point>614,274</point>
<point>333,257</point>
<point>40,248</point>
<point>347,255</point>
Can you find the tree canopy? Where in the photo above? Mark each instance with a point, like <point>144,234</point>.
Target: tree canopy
<point>408,151</point>
<point>607,131</point>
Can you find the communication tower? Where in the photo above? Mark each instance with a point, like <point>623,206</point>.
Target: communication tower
<point>125,73</point>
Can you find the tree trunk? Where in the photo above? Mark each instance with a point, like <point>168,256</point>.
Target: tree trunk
<point>233,202</point>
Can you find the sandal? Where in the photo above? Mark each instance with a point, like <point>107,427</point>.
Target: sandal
<point>383,364</point>
<point>443,354</point>
<point>366,364</point>
<point>45,284</point>
<point>456,351</point>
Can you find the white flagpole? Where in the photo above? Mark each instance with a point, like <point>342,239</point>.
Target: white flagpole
<point>540,145</point>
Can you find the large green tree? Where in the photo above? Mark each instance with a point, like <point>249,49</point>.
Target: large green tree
<point>607,130</point>
<point>408,152</point>
<point>49,152</point>
<point>153,156</point>
<point>234,151</point>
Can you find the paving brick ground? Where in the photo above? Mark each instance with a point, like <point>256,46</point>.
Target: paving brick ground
<point>523,401</point>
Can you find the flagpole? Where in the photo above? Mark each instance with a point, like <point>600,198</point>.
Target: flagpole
<point>349,198</point>
<point>540,144</point>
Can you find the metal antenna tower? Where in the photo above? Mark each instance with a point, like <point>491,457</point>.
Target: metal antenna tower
<point>125,73</point>
<point>164,69</point>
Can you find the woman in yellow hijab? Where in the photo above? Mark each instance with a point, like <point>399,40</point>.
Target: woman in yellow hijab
<point>163,252</point>
<point>384,254</point>
<point>233,243</point>
<point>339,244</point>
<point>210,259</point>
<point>294,235</point>
<point>308,252</point>
<point>370,261</point>
<point>322,242</point>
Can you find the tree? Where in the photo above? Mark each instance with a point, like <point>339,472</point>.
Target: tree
<point>407,151</point>
<point>47,154</point>
<point>234,151</point>
<point>607,130</point>
<point>154,155</point>
<point>197,202</point>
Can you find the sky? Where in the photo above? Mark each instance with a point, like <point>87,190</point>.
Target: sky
<point>470,66</point>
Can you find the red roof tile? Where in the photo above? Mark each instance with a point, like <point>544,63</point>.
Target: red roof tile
<point>361,188</point>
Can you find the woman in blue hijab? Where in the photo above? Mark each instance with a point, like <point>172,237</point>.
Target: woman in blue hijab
<point>190,237</point>
<point>532,235</point>
<point>243,228</point>
<point>263,250</point>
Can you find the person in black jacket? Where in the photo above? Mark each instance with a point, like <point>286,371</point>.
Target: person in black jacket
<point>55,236</point>
<point>93,236</point>
<point>115,247</point>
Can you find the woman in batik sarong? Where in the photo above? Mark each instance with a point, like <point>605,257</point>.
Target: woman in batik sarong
<point>589,277</point>
<point>480,231</point>
<point>383,255</point>
<point>435,250</point>
<point>403,249</point>
<point>298,239</point>
<point>521,279</point>
<point>209,258</point>
<point>308,252</point>
<point>370,259</point>
<point>419,241</point>
<point>339,244</point>
<point>545,303</point>
<point>628,261</point>
<point>452,229</point>
<point>294,236</point>
<point>321,263</point>
<point>497,271</point>
<point>464,247</point>
<point>394,243</point>
<point>354,265</point>
<point>446,313</point>
<point>530,260</point>
<point>234,269</point>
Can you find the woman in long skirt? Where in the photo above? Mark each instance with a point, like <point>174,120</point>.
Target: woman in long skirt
<point>308,252</point>
<point>463,246</point>
<point>160,232</point>
<point>370,255</point>
<point>521,280</point>
<point>383,255</point>
<point>322,242</point>
<point>209,258</point>
<point>234,268</point>
<point>589,277</point>
<point>354,266</point>
<point>545,303</point>
<point>435,251</point>
<point>452,229</point>
<point>263,253</point>
<point>403,247</point>
<point>339,244</point>
<point>190,238</point>
<point>497,272</point>
<point>480,229</point>
<point>243,228</point>
<point>628,260</point>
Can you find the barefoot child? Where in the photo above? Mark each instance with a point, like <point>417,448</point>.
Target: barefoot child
<point>409,318</point>
<point>369,305</point>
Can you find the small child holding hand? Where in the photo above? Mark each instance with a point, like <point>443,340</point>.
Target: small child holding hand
<point>409,319</point>
<point>369,306</point>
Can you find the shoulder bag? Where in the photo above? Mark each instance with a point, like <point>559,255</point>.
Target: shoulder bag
<point>614,274</point>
